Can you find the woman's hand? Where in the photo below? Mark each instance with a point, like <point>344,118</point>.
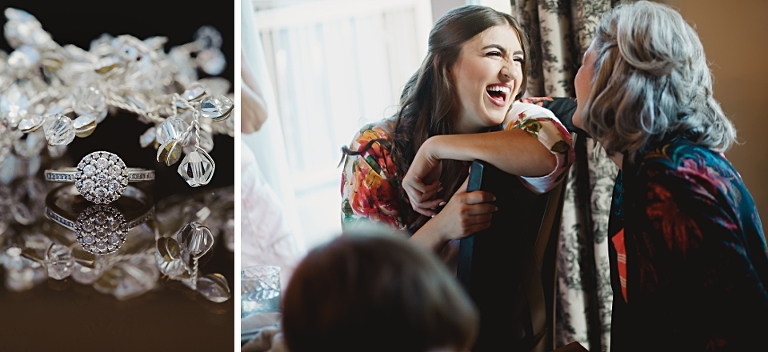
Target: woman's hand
<point>466,213</point>
<point>421,182</point>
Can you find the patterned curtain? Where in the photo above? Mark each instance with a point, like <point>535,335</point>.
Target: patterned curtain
<point>560,31</point>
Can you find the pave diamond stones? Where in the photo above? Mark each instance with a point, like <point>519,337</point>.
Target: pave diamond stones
<point>197,168</point>
<point>101,229</point>
<point>59,129</point>
<point>216,107</point>
<point>101,177</point>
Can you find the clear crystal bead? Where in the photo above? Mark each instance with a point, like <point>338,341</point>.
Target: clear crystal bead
<point>102,45</point>
<point>195,239</point>
<point>24,278</point>
<point>212,61</point>
<point>172,128</point>
<point>128,52</point>
<point>84,125</point>
<point>139,275</point>
<point>148,137</point>
<point>169,153</point>
<point>22,16</point>
<point>194,92</point>
<point>14,104</point>
<point>208,37</point>
<point>23,58</point>
<point>156,42</point>
<point>31,123</point>
<point>215,85</point>
<point>87,268</point>
<point>30,145</point>
<point>58,129</point>
<point>23,28</point>
<point>11,258</point>
<point>197,168</point>
<point>187,72</point>
<point>144,74</point>
<point>216,107</point>
<point>214,287</point>
<point>6,143</point>
<point>36,241</point>
<point>59,261</point>
<point>10,169</point>
<point>90,101</point>
<point>27,197</point>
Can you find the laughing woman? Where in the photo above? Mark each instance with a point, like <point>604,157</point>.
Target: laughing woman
<point>409,171</point>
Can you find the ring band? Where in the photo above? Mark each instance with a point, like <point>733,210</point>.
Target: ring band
<point>99,228</point>
<point>100,177</point>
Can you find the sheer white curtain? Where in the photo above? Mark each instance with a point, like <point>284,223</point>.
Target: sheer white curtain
<point>268,145</point>
<point>335,65</point>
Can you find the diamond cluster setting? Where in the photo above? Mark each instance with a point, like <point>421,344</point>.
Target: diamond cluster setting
<point>101,229</point>
<point>101,177</point>
<point>67,91</point>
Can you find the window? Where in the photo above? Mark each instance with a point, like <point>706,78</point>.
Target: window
<point>334,66</point>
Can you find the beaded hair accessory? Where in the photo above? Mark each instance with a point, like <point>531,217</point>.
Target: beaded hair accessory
<point>50,94</point>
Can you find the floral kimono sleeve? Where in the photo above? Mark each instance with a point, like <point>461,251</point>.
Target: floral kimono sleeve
<point>370,186</point>
<point>542,124</point>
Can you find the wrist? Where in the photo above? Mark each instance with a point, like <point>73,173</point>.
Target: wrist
<point>429,236</point>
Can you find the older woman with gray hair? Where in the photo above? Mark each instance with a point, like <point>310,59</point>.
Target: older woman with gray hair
<point>688,253</point>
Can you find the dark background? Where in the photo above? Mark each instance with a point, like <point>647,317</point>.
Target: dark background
<point>67,316</point>
<point>79,22</point>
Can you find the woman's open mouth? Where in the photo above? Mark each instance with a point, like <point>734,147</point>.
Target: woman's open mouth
<point>498,94</point>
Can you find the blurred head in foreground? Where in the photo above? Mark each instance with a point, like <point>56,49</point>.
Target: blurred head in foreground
<point>370,290</point>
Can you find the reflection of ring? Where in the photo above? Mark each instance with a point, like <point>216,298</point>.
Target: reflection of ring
<point>100,177</point>
<point>100,229</point>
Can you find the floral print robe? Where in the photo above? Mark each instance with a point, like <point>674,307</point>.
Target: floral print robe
<point>688,254</point>
<point>370,183</point>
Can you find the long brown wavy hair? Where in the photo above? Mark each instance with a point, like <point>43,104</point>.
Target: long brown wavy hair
<point>429,105</point>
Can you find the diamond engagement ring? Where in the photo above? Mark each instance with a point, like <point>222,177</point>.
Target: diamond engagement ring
<point>54,93</point>
<point>99,228</point>
<point>100,177</point>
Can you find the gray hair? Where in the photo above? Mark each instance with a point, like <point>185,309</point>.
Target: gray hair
<point>651,80</point>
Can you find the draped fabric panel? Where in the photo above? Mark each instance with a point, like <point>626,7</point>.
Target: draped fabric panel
<point>560,31</point>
